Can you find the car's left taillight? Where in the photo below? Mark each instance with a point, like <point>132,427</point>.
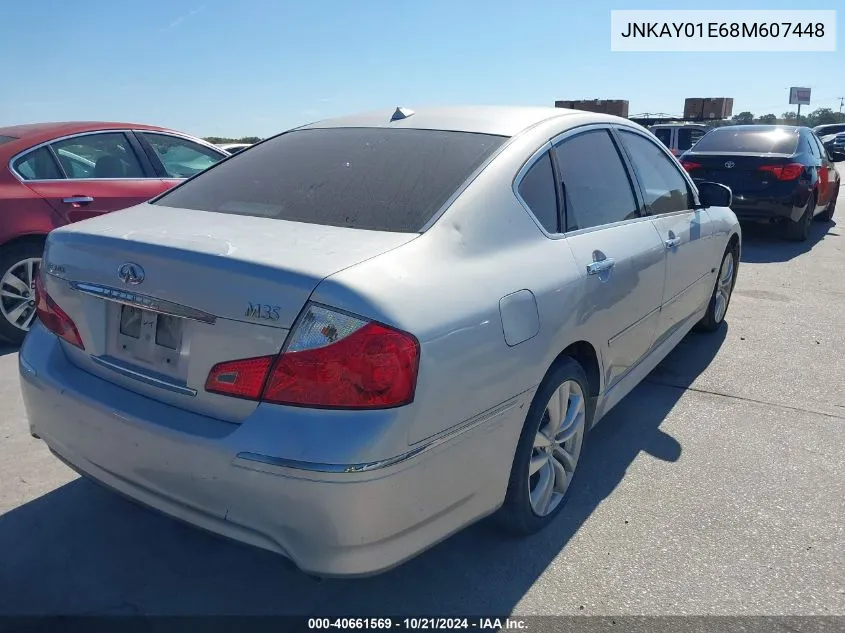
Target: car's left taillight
<point>332,360</point>
<point>53,317</point>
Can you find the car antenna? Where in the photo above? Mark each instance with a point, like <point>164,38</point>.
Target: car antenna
<point>401,113</point>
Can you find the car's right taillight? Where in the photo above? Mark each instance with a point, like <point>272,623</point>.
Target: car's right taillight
<point>690,166</point>
<point>332,360</point>
<point>53,317</point>
<point>790,171</point>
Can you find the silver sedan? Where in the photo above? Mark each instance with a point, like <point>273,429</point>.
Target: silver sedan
<point>364,334</point>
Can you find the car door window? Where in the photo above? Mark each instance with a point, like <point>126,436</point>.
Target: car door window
<point>596,186</point>
<point>665,190</point>
<point>181,158</point>
<point>537,189</point>
<point>38,164</point>
<point>688,136</point>
<point>103,155</point>
<point>664,135</point>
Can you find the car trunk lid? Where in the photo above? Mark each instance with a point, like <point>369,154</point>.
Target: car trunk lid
<point>742,172</point>
<point>160,295</point>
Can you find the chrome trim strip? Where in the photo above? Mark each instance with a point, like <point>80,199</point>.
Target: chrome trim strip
<point>145,302</point>
<point>431,444</point>
<point>140,377</point>
<point>131,130</point>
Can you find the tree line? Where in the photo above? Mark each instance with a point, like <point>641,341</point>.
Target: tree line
<point>217,140</point>
<point>819,116</point>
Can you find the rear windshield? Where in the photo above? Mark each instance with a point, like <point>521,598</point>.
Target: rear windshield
<point>366,178</point>
<point>752,141</point>
<point>6,139</point>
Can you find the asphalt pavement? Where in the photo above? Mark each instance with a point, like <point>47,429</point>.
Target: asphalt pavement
<point>716,487</point>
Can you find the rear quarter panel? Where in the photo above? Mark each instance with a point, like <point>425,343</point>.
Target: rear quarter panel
<point>23,212</point>
<point>445,287</point>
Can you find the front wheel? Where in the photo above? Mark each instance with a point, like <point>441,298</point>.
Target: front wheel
<point>721,297</point>
<point>19,265</point>
<point>548,450</point>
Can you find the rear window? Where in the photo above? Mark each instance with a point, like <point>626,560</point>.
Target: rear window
<point>366,178</point>
<point>6,139</point>
<point>752,141</point>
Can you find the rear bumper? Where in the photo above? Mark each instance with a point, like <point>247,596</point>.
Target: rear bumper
<point>763,208</point>
<point>197,470</point>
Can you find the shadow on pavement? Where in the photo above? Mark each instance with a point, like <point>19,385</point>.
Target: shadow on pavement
<point>81,549</point>
<point>7,349</point>
<point>764,243</point>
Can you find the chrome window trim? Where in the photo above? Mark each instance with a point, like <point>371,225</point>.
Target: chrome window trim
<point>550,145</point>
<point>517,181</point>
<point>26,151</point>
<point>619,127</point>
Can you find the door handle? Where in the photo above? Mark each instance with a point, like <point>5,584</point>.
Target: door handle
<point>78,200</point>
<point>672,242</point>
<point>600,266</point>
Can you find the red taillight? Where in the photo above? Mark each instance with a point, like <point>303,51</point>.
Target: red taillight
<point>784,172</point>
<point>54,318</point>
<point>689,165</point>
<point>239,378</point>
<point>332,360</point>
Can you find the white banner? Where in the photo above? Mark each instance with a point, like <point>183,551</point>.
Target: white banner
<point>723,31</point>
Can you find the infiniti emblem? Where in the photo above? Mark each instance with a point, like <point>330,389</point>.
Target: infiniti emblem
<point>730,164</point>
<point>131,273</point>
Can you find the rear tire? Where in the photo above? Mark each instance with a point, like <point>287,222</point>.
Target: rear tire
<point>800,231</point>
<point>717,309</point>
<point>827,214</point>
<point>548,450</point>
<point>19,264</point>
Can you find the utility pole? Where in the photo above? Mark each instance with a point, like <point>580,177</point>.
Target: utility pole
<point>841,103</point>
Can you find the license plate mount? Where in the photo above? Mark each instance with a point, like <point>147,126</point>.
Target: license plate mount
<point>152,338</point>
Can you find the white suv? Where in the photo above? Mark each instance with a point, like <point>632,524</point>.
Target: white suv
<point>679,137</point>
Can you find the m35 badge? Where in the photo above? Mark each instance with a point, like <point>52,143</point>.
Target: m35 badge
<point>263,311</point>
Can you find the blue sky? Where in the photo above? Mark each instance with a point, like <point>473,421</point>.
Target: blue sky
<point>256,67</point>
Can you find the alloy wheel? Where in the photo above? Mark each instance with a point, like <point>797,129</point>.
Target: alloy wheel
<point>17,293</point>
<point>557,447</point>
<point>724,286</point>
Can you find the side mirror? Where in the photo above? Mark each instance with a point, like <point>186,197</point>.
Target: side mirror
<point>712,194</point>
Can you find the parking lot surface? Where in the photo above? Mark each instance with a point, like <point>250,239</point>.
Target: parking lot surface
<point>716,487</point>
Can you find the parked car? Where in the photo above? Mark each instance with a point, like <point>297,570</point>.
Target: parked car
<point>52,174</point>
<point>829,128</point>
<point>679,137</point>
<point>835,145</point>
<point>409,327</point>
<point>776,173</point>
<point>234,148</point>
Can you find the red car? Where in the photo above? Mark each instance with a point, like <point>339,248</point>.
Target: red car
<point>55,173</point>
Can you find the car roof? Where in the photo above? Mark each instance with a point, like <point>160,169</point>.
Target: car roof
<point>31,134</point>
<point>498,120</point>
